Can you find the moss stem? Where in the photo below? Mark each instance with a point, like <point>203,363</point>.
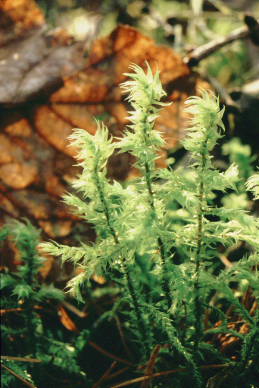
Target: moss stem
<point>200,211</point>
<point>139,319</point>
<point>160,243</point>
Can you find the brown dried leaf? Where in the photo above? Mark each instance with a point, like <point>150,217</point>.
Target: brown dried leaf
<point>60,228</point>
<point>18,175</point>
<point>32,61</point>
<point>18,17</point>
<point>76,115</point>
<point>53,129</point>
<point>8,207</point>
<point>90,86</point>
<point>66,320</point>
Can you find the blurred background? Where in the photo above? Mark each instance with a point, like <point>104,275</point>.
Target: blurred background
<point>182,25</point>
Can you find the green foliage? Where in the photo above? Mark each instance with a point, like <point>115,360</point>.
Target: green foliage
<point>24,329</point>
<point>144,226</point>
<point>241,155</point>
<point>24,283</point>
<point>9,379</point>
<point>253,185</point>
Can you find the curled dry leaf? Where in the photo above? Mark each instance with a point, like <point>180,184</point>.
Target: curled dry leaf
<point>66,320</point>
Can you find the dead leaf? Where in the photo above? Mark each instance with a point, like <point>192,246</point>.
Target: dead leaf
<point>32,60</point>
<point>18,175</point>
<point>66,320</point>
<point>17,17</point>
<point>8,207</point>
<point>60,228</point>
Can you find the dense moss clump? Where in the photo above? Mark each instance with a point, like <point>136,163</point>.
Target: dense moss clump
<point>161,239</point>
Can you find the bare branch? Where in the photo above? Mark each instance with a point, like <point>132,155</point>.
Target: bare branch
<point>251,30</point>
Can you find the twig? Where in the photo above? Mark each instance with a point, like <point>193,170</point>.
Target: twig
<point>23,359</point>
<point>26,382</point>
<point>108,354</point>
<point>16,309</point>
<point>105,375</point>
<point>202,52</point>
<point>75,310</point>
<point>224,9</point>
<point>253,308</point>
<point>119,372</point>
<point>167,372</point>
<point>153,358</point>
<point>12,310</point>
<point>226,261</point>
<point>150,365</point>
<point>223,93</point>
<point>122,336</point>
